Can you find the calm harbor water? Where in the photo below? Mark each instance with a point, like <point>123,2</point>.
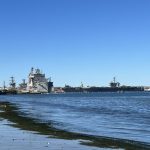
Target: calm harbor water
<point>117,115</point>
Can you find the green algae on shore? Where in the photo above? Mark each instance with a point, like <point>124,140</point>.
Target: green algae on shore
<point>11,113</point>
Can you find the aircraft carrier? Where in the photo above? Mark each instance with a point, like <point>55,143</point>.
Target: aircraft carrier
<point>113,87</point>
<point>37,84</point>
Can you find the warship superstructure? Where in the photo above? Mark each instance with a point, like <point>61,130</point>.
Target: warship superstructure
<point>38,83</point>
<point>9,90</point>
<point>23,87</point>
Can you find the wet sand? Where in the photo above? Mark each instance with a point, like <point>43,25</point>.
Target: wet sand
<point>16,139</point>
<point>18,131</point>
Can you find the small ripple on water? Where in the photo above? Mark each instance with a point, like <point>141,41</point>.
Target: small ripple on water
<point>125,115</point>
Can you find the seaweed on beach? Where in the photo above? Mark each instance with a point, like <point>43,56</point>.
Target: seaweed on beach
<point>12,113</point>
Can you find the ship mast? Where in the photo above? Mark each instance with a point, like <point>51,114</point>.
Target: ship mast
<point>114,79</point>
<point>12,83</point>
<point>4,85</point>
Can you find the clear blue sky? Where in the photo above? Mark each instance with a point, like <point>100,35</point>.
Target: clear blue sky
<point>76,40</point>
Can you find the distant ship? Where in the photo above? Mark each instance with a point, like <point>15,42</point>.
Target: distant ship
<point>37,83</point>
<point>114,87</point>
<point>11,89</point>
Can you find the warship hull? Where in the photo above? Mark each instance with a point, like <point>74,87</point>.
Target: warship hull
<point>104,89</point>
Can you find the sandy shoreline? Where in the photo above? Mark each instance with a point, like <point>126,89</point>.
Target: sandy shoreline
<point>21,132</point>
<point>16,139</point>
